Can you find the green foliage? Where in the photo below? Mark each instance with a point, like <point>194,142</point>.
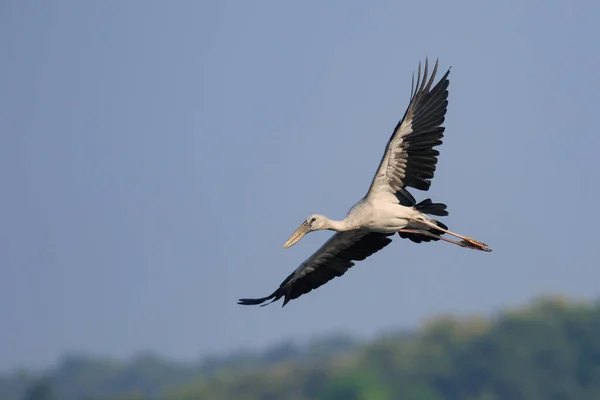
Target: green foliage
<point>356,385</point>
<point>131,396</point>
<point>549,350</point>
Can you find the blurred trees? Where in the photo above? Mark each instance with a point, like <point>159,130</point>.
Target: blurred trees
<point>39,390</point>
<point>549,350</point>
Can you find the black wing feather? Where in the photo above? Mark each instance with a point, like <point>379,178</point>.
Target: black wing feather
<point>410,158</point>
<point>428,109</point>
<point>333,259</point>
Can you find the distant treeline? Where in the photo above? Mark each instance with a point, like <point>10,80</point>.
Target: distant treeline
<point>547,350</point>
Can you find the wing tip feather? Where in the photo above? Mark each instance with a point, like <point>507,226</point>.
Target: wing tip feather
<point>260,301</point>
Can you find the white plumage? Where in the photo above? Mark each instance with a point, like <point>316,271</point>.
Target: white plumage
<point>409,160</point>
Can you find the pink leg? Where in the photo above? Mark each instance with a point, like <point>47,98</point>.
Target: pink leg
<point>462,243</point>
<point>467,241</point>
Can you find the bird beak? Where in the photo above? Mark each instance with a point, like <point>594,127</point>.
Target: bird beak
<point>296,236</point>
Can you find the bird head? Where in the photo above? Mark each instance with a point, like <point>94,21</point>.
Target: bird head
<point>313,223</point>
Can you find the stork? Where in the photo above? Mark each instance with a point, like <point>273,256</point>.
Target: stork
<point>388,208</point>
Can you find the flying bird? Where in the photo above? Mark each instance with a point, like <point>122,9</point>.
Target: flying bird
<point>388,208</point>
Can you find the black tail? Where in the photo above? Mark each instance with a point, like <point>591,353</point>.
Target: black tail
<point>428,207</point>
<point>431,208</point>
<point>418,238</point>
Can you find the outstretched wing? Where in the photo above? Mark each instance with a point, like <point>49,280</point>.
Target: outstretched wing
<point>333,259</point>
<point>410,158</point>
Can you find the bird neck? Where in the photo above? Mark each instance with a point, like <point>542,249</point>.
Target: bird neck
<point>339,226</point>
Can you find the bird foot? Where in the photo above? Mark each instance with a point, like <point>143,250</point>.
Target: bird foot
<point>474,244</point>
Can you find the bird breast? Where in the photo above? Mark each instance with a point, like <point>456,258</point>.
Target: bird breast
<point>382,217</point>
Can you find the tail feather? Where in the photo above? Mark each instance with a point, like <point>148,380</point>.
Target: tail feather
<point>424,208</point>
<point>428,207</point>
<point>441,225</point>
<point>418,238</point>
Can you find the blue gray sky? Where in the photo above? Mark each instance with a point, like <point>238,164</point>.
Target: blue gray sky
<point>155,156</point>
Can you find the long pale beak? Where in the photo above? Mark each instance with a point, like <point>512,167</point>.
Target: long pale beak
<point>296,236</point>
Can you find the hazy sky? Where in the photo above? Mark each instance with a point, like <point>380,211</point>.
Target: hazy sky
<point>155,156</point>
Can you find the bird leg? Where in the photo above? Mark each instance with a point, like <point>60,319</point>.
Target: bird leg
<point>466,241</point>
<point>462,243</point>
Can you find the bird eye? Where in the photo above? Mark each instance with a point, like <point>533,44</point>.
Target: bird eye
<point>313,219</point>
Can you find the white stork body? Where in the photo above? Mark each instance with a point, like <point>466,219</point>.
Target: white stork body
<point>388,208</point>
<point>373,215</point>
